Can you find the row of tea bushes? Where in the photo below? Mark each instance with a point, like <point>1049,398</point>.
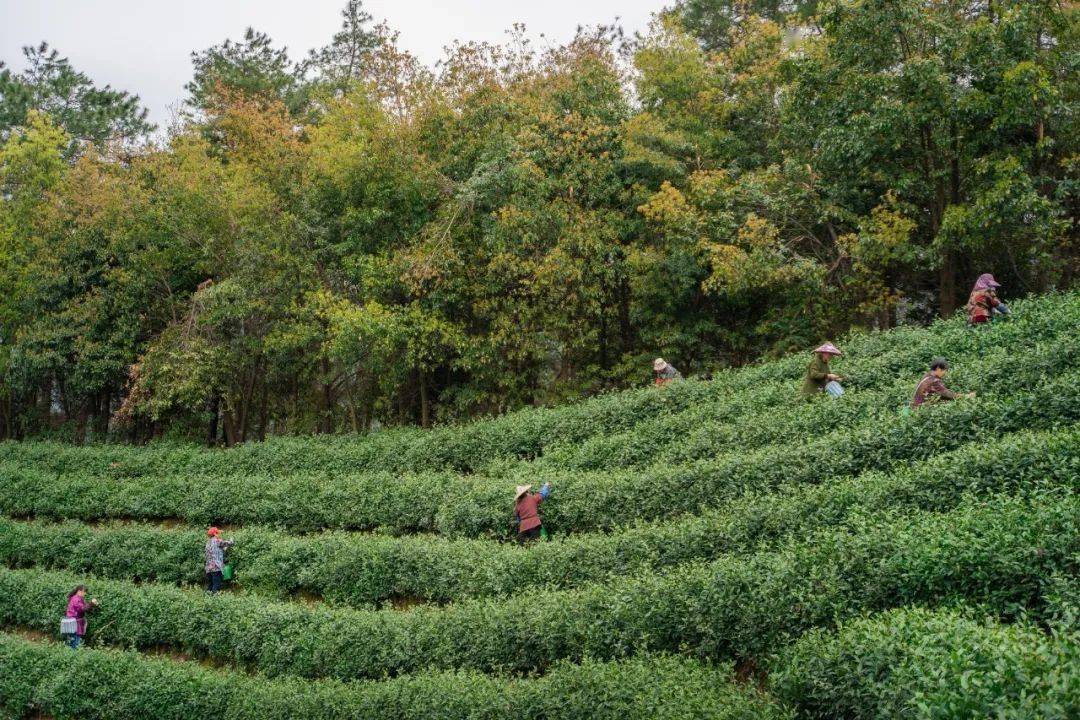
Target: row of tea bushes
<point>705,430</point>
<point>477,507</point>
<point>38,679</point>
<point>916,664</point>
<point>360,570</point>
<point>874,360</point>
<point>912,664</point>
<point>1000,554</point>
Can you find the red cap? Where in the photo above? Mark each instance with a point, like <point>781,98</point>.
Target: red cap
<point>213,532</point>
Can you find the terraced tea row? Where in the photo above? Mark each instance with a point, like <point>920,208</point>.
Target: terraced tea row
<point>875,361</point>
<point>462,506</point>
<point>360,570</point>
<point>919,664</point>
<point>909,663</point>
<point>111,685</point>
<point>1000,555</point>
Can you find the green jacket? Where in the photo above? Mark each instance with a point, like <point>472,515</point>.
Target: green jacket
<point>817,374</point>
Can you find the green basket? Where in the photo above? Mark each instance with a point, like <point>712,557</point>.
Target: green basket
<point>227,572</point>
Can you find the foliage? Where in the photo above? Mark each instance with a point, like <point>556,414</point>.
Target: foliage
<point>920,664</point>
<point>398,245</point>
<point>49,85</point>
<point>113,685</point>
<point>998,555</point>
<point>359,570</point>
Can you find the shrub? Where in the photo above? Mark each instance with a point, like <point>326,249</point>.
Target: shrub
<point>475,506</point>
<point>999,554</point>
<point>920,664</point>
<point>111,685</point>
<point>361,569</point>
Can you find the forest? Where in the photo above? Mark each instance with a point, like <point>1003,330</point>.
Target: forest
<point>349,239</point>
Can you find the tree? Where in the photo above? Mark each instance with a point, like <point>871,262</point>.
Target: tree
<point>347,59</point>
<point>253,68</point>
<point>87,113</point>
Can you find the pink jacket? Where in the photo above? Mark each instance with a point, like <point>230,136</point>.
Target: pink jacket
<point>77,608</point>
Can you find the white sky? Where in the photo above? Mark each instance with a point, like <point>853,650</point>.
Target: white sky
<point>144,46</point>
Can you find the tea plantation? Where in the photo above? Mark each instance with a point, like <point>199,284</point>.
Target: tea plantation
<point>719,549</point>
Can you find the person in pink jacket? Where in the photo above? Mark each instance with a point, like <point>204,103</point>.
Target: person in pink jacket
<point>77,607</point>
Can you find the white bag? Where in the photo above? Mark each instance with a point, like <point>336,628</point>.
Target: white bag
<point>69,626</point>
<point>834,388</point>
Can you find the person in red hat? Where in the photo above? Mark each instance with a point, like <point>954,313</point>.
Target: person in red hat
<point>215,558</point>
<point>818,374</point>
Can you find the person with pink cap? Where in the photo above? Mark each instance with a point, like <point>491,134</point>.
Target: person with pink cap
<point>983,304</point>
<point>527,510</point>
<point>818,375</point>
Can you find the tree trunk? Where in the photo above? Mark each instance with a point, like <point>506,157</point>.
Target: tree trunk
<point>263,410</point>
<point>229,425</point>
<point>212,429</point>
<point>327,420</point>
<point>947,285</point>
<point>425,408</point>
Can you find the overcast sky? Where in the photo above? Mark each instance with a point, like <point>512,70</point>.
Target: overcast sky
<point>144,46</point>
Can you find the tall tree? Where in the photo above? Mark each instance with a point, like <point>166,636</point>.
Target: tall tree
<point>348,57</point>
<point>87,113</point>
<point>252,67</point>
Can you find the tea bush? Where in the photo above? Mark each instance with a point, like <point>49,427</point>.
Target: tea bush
<point>475,506</point>
<point>874,360</point>
<point>110,685</point>
<point>920,664</point>
<point>999,554</point>
<point>360,569</point>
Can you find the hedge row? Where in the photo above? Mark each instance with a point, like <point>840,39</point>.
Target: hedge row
<point>1000,554</point>
<point>37,678</point>
<point>705,430</point>
<point>917,664</point>
<point>476,507</point>
<point>360,570</point>
<point>874,360</point>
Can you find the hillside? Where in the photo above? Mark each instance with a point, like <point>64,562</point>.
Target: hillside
<point>719,549</point>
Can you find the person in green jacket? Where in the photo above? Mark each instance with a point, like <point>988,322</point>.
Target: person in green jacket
<point>818,374</point>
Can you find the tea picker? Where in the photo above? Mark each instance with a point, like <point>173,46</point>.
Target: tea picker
<point>527,512</point>
<point>664,372</point>
<point>819,378</point>
<point>215,559</point>
<point>73,624</point>
<point>983,303</point>
<point>932,388</point>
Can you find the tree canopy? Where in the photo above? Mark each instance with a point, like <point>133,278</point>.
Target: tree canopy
<point>350,239</point>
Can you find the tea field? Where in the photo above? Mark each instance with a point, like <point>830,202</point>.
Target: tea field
<point>719,549</point>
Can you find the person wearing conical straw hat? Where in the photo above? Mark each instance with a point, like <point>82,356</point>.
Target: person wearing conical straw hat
<point>818,375</point>
<point>664,372</point>
<point>983,304</point>
<point>527,510</point>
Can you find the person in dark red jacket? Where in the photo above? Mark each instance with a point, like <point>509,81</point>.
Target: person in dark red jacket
<point>983,304</point>
<point>932,387</point>
<point>527,510</point>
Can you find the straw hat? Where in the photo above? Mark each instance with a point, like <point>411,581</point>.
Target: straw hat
<point>829,349</point>
<point>659,364</point>
<point>521,490</point>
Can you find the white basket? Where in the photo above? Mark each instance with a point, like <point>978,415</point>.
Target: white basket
<point>834,389</point>
<point>69,626</point>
